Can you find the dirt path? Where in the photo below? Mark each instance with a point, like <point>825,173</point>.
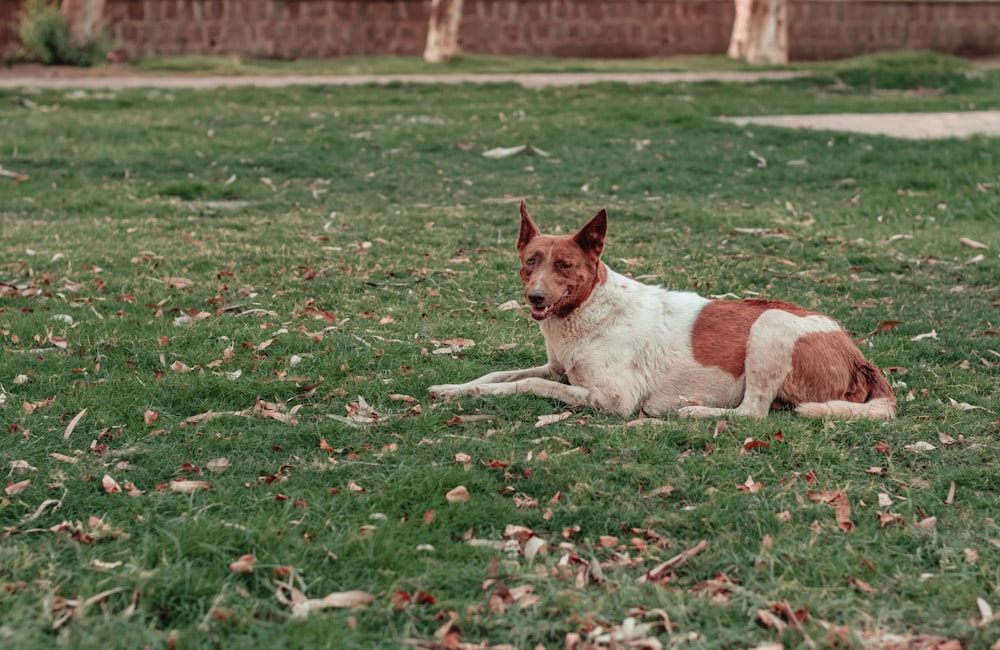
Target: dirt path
<point>116,78</point>
<point>899,125</point>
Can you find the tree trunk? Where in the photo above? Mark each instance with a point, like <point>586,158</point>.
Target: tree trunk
<point>760,31</point>
<point>442,30</point>
<point>84,18</point>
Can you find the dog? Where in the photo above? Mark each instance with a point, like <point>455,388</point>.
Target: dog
<point>620,345</point>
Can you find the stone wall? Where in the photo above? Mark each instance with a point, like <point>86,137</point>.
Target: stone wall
<point>286,29</point>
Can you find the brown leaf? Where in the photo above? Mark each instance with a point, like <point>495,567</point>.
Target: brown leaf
<point>149,417</point>
<point>971,243</point>
<point>458,494</point>
<point>180,366</point>
<point>663,568</point>
<point>72,423</point>
<point>110,485</point>
<point>218,464</point>
<point>663,489</point>
<point>31,407</point>
<point>863,586</point>
<point>749,485</point>
<point>342,599</point>
<point>544,420</point>
<point>188,486</point>
<point>17,487</point>
<point>244,564</point>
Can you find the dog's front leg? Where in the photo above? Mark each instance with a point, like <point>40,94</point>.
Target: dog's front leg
<point>451,391</point>
<point>567,393</point>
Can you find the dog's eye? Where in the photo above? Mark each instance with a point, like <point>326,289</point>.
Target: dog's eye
<point>530,261</point>
<point>564,265</point>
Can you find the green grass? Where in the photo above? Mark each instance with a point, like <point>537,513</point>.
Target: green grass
<point>329,235</point>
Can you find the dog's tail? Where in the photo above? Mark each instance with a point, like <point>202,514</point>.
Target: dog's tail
<point>879,401</point>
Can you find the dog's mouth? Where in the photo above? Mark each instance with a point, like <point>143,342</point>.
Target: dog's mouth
<point>541,313</point>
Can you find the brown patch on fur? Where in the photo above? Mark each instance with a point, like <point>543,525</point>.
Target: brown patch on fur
<point>828,366</point>
<point>561,271</point>
<point>719,336</point>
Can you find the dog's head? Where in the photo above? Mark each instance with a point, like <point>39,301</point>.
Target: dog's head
<point>560,272</point>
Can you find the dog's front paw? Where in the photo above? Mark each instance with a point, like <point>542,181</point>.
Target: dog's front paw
<point>448,391</point>
<point>699,412</point>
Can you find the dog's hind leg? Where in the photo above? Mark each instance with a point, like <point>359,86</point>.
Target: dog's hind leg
<point>768,361</point>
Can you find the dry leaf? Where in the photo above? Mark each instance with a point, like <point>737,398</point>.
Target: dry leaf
<point>663,489</point>
<point>217,464</point>
<point>971,243</point>
<point>544,420</point>
<point>149,417</point>
<point>188,486</point>
<point>920,446</point>
<point>863,586</point>
<point>22,464</point>
<point>926,523</point>
<point>355,488</point>
<point>965,406</point>
<point>244,564</point>
<point>17,488</point>
<point>533,547</point>
<point>509,305</point>
<point>63,457</point>
<point>927,335</point>
<point>458,494</point>
<point>749,485</point>
<point>72,423</point>
<point>110,485</point>
<point>180,366</point>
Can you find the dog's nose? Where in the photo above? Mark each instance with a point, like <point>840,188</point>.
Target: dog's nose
<point>536,297</point>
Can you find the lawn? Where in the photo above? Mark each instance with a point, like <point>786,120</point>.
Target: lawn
<point>220,312</point>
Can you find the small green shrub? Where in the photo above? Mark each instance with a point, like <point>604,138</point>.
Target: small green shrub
<point>46,36</point>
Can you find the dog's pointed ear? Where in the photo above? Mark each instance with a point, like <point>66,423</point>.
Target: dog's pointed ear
<point>528,228</point>
<point>591,237</point>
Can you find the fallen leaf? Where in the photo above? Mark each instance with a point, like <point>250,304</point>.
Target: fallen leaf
<point>509,305</point>
<point>244,564</point>
<point>950,499</point>
<point>927,335</point>
<point>533,547</point>
<point>863,586</point>
<point>22,465</point>
<point>750,444</point>
<point>110,485</point>
<point>920,446</point>
<point>663,489</point>
<point>188,486</point>
<point>17,487</point>
<point>927,523</point>
<point>749,485</point>
<point>458,494</point>
<point>72,423</point>
<point>180,366</point>
<point>965,406</point>
<point>545,420</point>
<point>971,243</point>
<point>217,464</point>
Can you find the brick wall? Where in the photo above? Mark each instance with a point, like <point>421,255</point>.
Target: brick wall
<point>818,29</point>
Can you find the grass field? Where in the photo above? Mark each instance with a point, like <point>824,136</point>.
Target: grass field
<point>220,312</point>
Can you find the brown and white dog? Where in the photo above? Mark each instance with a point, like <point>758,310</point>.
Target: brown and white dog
<point>625,346</point>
